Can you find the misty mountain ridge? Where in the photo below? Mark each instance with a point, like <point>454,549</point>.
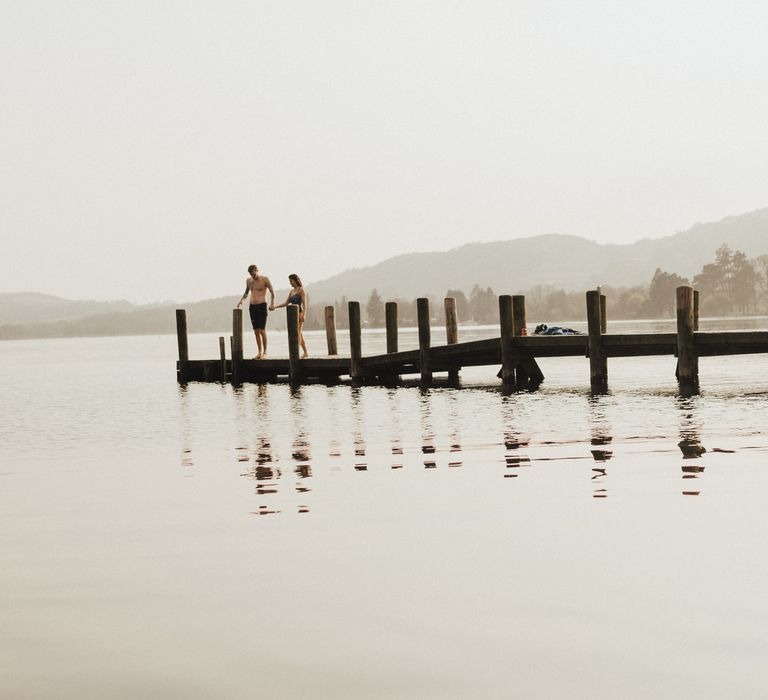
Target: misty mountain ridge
<point>557,261</point>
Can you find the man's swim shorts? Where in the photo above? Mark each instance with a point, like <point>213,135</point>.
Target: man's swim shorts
<point>258,315</point>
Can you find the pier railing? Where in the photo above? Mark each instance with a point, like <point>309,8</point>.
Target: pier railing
<point>513,349</point>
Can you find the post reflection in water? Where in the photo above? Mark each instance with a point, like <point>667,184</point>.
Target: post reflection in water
<point>455,419</point>
<point>186,429</point>
<point>358,439</point>
<point>513,438</point>
<point>396,442</point>
<point>690,443</point>
<point>601,437</point>
<point>427,431</point>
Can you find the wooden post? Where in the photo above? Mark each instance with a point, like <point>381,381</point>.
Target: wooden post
<point>294,364</point>
<point>696,310</point>
<point>237,344</point>
<point>223,359</point>
<point>425,340</point>
<point>507,328</point>
<point>687,360</point>
<point>181,337</point>
<point>604,329</point>
<point>598,377</point>
<point>519,327</point>
<point>451,331</point>
<point>355,341</point>
<point>330,330</point>
<point>390,319</point>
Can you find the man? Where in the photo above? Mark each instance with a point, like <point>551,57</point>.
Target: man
<point>257,285</point>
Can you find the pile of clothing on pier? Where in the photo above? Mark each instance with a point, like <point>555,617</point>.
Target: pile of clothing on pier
<point>544,329</point>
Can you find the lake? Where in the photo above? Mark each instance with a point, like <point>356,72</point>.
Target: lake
<point>159,541</point>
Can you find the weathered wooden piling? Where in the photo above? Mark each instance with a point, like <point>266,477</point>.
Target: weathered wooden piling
<point>222,359</point>
<point>390,321</point>
<point>604,329</point>
<point>451,331</point>
<point>330,330</point>
<point>294,363</point>
<point>696,310</point>
<point>519,328</point>
<point>687,358</point>
<point>355,342</point>
<point>425,339</point>
<point>181,338</point>
<point>507,328</point>
<point>598,376</point>
<point>237,344</point>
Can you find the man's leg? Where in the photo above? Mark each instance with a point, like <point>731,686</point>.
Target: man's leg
<point>257,332</point>
<point>262,342</point>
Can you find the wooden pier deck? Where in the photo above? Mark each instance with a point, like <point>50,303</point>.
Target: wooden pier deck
<point>514,351</point>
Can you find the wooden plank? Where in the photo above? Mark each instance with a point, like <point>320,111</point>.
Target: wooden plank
<point>222,359</point>
<point>237,343</point>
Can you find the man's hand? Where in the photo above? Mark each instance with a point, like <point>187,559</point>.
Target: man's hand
<point>271,307</point>
<point>238,303</point>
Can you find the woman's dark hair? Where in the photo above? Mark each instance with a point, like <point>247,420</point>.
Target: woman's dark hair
<point>296,279</point>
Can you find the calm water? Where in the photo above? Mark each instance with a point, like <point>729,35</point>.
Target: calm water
<point>206,542</point>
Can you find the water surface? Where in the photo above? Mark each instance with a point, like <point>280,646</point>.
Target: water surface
<point>332,542</point>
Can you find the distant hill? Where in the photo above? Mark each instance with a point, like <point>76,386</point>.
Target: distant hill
<point>566,262</point>
<point>559,261</point>
<point>27,307</point>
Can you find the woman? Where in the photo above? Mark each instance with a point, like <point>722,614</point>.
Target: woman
<point>298,296</point>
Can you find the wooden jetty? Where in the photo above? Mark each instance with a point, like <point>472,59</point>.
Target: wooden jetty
<point>513,350</point>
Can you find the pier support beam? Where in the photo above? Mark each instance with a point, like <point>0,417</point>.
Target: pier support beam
<point>425,340</point>
<point>390,320</point>
<point>451,332</point>
<point>222,359</point>
<point>687,358</point>
<point>181,337</point>
<point>237,344</point>
<point>294,363</point>
<point>330,330</point>
<point>598,374</point>
<point>507,328</point>
<point>355,342</point>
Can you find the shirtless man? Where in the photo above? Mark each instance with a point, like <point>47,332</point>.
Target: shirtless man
<point>257,285</point>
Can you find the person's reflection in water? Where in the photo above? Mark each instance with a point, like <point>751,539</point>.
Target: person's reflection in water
<point>427,431</point>
<point>601,437</point>
<point>514,440</point>
<point>690,443</point>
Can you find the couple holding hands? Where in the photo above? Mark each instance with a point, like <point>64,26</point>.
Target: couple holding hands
<point>256,286</point>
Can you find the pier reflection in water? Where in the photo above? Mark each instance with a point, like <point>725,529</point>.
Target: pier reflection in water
<point>294,440</point>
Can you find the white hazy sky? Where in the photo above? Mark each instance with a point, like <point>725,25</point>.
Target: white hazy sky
<point>151,150</point>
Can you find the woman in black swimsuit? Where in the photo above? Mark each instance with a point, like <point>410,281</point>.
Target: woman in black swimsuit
<point>297,296</point>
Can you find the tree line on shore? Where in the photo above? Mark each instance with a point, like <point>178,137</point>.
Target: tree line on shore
<point>731,284</point>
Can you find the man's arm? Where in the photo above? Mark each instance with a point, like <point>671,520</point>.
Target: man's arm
<point>245,294</point>
<point>271,293</point>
